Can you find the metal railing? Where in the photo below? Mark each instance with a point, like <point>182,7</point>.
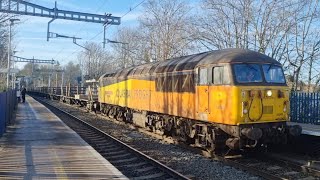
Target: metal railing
<point>304,107</point>
<point>8,105</point>
<point>68,91</point>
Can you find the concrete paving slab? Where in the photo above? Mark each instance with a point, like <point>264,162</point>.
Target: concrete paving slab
<point>41,146</point>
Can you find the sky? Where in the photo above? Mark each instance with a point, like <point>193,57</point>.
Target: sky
<point>30,36</point>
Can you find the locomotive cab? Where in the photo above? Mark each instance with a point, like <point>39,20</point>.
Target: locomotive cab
<point>264,95</point>
<point>247,100</point>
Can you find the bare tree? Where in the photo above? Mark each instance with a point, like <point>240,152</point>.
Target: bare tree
<point>129,47</point>
<point>164,27</point>
<point>27,70</point>
<point>314,73</point>
<point>95,60</point>
<point>305,46</point>
<point>71,73</point>
<point>259,25</point>
<point>284,30</point>
<point>4,35</point>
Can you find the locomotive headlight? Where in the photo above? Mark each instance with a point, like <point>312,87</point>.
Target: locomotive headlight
<point>269,93</point>
<point>243,93</point>
<point>244,107</point>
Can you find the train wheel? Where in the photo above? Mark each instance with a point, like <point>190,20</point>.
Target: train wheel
<point>184,131</point>
<point>212,140</point>
<point>111,113</point>
<point>120,116</point>
<point>216,140</point>
<point>168,126</point>
<point>128,116</point>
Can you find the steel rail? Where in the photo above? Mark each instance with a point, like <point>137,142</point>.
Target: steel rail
<point>174,174</point>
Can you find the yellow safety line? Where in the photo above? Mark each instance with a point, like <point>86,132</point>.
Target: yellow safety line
<point>58,167</point>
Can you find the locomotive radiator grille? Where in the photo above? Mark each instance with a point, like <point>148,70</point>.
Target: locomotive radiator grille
<point>267,109</point>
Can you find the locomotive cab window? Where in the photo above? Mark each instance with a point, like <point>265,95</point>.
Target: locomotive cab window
<point>204,75</point>
<point>220,75</point>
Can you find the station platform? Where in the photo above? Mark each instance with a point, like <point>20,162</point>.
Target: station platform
<point>41,146</point>
<point>308,129</point>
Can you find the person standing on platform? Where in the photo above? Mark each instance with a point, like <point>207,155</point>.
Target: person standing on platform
<point>23,94</point>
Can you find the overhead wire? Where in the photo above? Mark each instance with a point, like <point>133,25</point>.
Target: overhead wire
<point>108,25</point>
<point>131,9</point>
<point>82,26</point>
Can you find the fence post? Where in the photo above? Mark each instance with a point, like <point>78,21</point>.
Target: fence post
<point>317,107</point>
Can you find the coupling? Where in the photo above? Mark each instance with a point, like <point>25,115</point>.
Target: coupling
<point>252,133</point>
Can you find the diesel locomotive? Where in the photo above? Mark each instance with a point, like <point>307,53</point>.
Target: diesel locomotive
<point>232,98</point>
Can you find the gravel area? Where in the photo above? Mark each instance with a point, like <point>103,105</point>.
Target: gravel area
<point>176,157</point>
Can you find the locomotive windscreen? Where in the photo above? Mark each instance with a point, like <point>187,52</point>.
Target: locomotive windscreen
<point>258,73</point>
<point>248,73</point>
<point>273,73</point>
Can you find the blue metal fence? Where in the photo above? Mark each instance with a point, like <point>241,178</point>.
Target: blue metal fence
<point>304,107</point>
<point>8,104</point>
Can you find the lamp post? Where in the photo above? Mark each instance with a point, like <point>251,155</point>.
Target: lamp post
<point>13,78</point>
<point>9,49</point>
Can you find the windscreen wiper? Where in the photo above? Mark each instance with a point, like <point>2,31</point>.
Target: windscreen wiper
<point>271,65</point>
<point>251,66</point>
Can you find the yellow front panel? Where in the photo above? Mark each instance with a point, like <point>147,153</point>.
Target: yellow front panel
<point>265,109</point>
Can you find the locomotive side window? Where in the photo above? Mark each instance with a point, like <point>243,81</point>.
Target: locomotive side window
<point>221,75</point>
<point>176,83</point>
<point>203,76</point>
<point>159,83</point>
<point>187,83</point>
<point>168,84</point>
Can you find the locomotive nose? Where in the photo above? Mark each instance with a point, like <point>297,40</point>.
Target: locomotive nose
<point>252,133</point>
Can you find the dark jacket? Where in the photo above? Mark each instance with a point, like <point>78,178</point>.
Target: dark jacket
<point>23,92</point>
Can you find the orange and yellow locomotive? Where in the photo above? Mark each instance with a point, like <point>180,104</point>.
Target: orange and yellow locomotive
<point>233,97</point>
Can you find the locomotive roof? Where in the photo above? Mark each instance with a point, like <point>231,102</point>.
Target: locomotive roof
<point>192,61</point>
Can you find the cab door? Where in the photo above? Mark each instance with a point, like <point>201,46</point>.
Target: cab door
<point>202,92</point>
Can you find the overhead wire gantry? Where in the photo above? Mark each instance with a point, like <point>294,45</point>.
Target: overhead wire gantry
<point>36,61</point>
<point>26,8</point>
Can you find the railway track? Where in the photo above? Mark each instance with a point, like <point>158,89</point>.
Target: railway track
<point>307,145</point>
<point>265,166</point>
<point>131,162</point>
<point>271,168</point>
